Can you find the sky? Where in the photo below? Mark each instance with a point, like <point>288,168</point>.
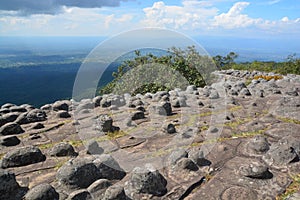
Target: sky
<point>245,19</point>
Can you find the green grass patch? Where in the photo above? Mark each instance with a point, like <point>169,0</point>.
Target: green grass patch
<point>293,188</point>
<point>289,120</point>
<point>248,134</point>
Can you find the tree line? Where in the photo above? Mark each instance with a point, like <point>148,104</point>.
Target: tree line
<point>194,68</point>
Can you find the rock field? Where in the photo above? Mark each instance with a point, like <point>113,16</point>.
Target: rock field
<point>238,139</point>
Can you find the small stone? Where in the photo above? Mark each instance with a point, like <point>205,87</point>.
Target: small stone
<point>42,192</point>
<point>115,193</point>
<point>38,126</point>
<point>171,129</point>
<point>60,105</point>
<point>138,115</point>
<point>214,94</point>
<point>17,109</point>
<point>35,115</point>
<point>213,130</point>
<point>177,155</point>
<point>9,141</point>
<point>259,144</point>
<point>245,91</point>
<point>80,195</point>
<point>198,157</point>
<point>62,149</point>
<point>78,173</point>
<point>109,168</point>
<point>164,109</point>
<point>147,180</point>
<point>8,185</point>
<point>105,123</point>
<point>9,117</point>
<point>23,156</point>
<point>63,114</point>
<point>93,148</point>
<point>11,128</point>
<point>97,101</point>
<point>255,170</point>
<point>97,189</point>
<point>186,163</point>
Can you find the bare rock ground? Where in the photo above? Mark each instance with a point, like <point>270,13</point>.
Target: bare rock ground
<point>236,139</point>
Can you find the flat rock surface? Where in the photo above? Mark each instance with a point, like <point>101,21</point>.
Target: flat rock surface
<point>234,145</point>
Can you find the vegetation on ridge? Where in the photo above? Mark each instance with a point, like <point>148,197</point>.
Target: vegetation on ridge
<point>192,67</point>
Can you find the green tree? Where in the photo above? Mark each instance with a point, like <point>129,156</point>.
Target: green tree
<point>195,68</point>
<point>225,61</point>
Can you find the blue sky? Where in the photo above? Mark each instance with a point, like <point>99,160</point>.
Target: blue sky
<point>249,19</point>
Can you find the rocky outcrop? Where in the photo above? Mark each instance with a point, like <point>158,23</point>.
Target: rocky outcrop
<point>237,138</point>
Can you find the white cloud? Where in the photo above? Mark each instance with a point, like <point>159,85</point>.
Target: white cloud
<point>285,19</point>
<point>191,17</point>
<point>74,21</point>
<point>192,14</point>
<point>272,2</point>
<point>234,18</point>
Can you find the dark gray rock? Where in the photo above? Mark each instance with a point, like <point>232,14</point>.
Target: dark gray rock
<point>105,123</point>
<point>135,102</point>
<point>11,128</point>
<point>8,185</point>
<point>245,91</point>
<point>138,115</point>
<point>109,167</point>
<point>17,109</point>
<point>233,92</point>
<point>200,103</point>
<point>177,155</point>
<point>281,155</point>
<point>42,192</point>
<point>170,129</point>
<point>7,105</point>
<point>164,108</point>
<point>256,171</point>
<point>62,149</point>
<point>240,85</point>
<point>105,102</point>
<point>190,89</point>
<point>35,115</point>
<point>9,117</point>
<point>115,193</point>
<point>80,195</point>
<point>186,164</point>
<point>214,94</point>
<point>179,102</point>
<point>213,130</point>
<point>63,114</point>
<point>198,157</point>
<point>78,173</point>
<point>9,141</point>
<point>259,145</point>
<point>93,148</point>
<point>46,107</point>
<point>38,126</point>
<point>293,93</point>
<point>97,100</point>
<point>4,111</point>
<point>97,189</point>
<point>23,156</point>
<point>61,105</point>
<point>147,180</point>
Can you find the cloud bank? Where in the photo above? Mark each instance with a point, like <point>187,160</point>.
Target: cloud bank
<point>28,7</point>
